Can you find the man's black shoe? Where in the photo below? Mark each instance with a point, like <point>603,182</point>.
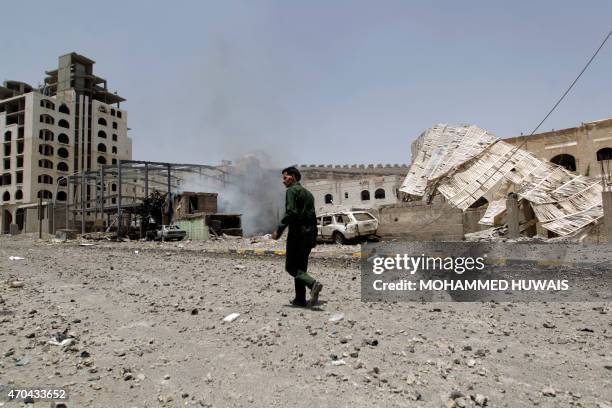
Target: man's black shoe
<point>299,303</point>
<point>314,294</point>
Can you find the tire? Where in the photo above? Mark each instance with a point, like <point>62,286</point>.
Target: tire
<point>338,238</point>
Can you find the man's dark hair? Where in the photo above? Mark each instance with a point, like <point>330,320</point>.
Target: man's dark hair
<point>292,171</point>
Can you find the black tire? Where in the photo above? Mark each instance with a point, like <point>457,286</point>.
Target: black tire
<point>338,238</point>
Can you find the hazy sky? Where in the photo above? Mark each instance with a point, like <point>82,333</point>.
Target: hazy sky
<point>319,81</point>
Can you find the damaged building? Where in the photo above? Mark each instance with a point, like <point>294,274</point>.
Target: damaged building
<point>459,170</point>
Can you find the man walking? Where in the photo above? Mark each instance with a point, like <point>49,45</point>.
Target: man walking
<point>301,219</point>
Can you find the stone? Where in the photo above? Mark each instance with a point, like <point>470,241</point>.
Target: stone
<point>549,392</point>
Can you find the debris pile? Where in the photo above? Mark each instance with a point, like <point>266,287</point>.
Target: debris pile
<point>467,164</point>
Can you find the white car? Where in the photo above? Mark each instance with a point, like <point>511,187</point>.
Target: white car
<point>343,226</point>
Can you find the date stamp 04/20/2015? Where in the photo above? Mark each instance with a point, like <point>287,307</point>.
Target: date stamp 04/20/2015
<point>12,392</point>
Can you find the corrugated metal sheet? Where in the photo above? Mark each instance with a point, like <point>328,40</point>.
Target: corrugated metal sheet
<point>471,163</point>
<point>196,229</point>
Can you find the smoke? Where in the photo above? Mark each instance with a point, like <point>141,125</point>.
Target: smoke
<point>249,189</point>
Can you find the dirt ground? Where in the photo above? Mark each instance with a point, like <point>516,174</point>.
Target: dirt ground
<point>147,331</point>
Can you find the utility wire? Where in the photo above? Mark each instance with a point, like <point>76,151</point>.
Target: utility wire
<point>553,108</point>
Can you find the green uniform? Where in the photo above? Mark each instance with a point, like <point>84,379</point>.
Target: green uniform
<point>301,219</point>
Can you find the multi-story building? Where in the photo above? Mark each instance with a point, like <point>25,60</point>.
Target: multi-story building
<point>71,124</point>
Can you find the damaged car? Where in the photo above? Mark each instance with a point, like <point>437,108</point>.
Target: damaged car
<point>341,227</point>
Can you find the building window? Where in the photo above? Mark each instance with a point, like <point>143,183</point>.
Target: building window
<point>63,138</point>
<point>379,194</point>
<point>46,135</point>
<point>604,154</point>
<point>64,109</point>
<point>62,152</point>
<point>44,194</point>
<point>46,164</point>
<point>7,164</point>
<point>565,160</point>
<point>102,122</point>
<point>102,134</point>
<point>114,161</point>
<point>6,196</point>
<point>346,194</point>
<point>6,179</point>
<point>44,118</point>
<point>61,166</point>
<point>7,136</point>
<point>45,179</point>
<point>365,195</point>
<point>45,103</point>
<point>329,199</point>
<point>101,160</point>
<point>61,196</point>
<point>63,123</point>
<point>119,114</point>
<point>19,177</point>
<point>114,125</point>
<point>19,162</point>
<point>19,195</point>
<point>114,149</point>
<point>102,147</point>
<point>45,150</point>
<point>7,149</point>
<point>19,146</point>
<point>114,137</point>
<point>113,112</point>
<point>113,187</point>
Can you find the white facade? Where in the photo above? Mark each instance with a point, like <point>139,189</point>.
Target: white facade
<point>344,194</point>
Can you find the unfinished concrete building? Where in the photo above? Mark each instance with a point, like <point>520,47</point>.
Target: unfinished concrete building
<point>72,124</point>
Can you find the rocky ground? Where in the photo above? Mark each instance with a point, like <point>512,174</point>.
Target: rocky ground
<point>146,329</point>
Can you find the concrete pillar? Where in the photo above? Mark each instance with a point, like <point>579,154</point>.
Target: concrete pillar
<point>512,215</point>
<point>606,199</point>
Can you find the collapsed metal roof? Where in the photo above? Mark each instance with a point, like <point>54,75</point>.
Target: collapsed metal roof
<point>467,163</point>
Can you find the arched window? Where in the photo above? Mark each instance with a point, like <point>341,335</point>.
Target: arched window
<point>329,199</point>
<point>566,160</point>
<point>113,112</point>
<point>119,114</point>
<point>46,135</point>
<point>102,122</point>
<point>604,154</point>
<point>61,166</point>
<point>45,179</point>
<point>19,195</point>
<point>44,118</point>
<point>113,187</point>
<point>114,125</point>
<point>114,161</point>
<point>45,150</point>
<point>102,134</point>
<point>7,136</point>
<point>44,163</point>
<point>102,147</point>
<point>101,160</point>
<point>6,196</point>
<point>61,196</point>
<point>63,123</point>
<point>47,104</point>
<point>63,138</point>
<point>114,149</point>
<point>365,195</point>
<point>379,194</point>
<point>44,194</point>
<point>64,109</point>
<point>114,137</point>
<point>62,152</point>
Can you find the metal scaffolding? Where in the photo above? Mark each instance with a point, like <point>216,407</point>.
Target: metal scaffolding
<point>147,175</point>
